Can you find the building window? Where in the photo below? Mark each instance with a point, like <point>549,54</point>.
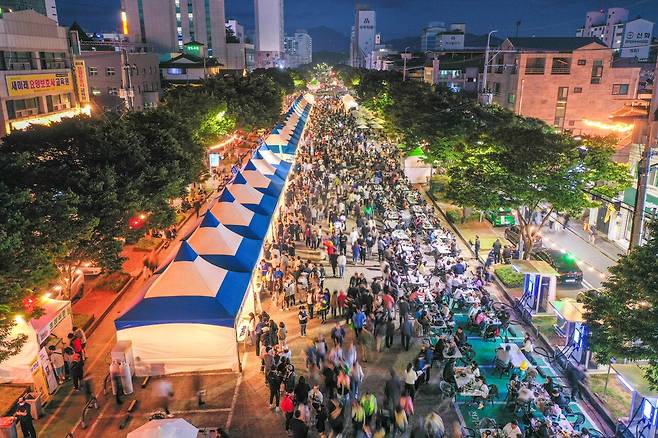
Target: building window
<point>561,106</point>
<point>175,71</point>
<point>561,66</point>
<point>58,102</point>
<point>535,66</point>
<point>496,88</point>
<point>582,62</point>
<point>93,71</point>
<point>577,90</point>
<point>597,71</point>
<point>562,94</point>
<point>110,71</point>
<point>52,60</point>
<point>19,61</point>
<point>620,89</point>
<point>17,109</point>
<point>95,91</point>
<point>511,97</point>
<point>113,91</point>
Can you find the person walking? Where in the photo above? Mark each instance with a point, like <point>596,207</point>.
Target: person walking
<point>476,246</point>
<point>333,303</point>
<point>274,383</point>
<point>342,262</point>
<point>303,320</point>
<point>496,247</point>
<point>390,332</point>
<point>359,319</point>
<point>406,331</point>
<point>77,370</point>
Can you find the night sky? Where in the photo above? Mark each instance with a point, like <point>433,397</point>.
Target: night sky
<point>397,18</point>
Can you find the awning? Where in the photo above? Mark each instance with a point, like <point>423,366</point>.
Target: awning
<point>533,267</point>
<point>569,309</point>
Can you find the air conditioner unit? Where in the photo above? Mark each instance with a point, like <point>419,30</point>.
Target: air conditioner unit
<point>26,112</point>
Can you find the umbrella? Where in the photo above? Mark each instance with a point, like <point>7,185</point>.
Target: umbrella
<point>167,428</point>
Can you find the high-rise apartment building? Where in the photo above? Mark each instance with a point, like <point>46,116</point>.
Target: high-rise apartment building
<point>237,29</point>
<point>363,37</point>
<point>299,49</point>
<point>167,25</point>
<point>269,44</point>
<point>438,36</point>
<point>629,38</point>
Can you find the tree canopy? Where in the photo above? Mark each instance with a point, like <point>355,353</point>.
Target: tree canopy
<point>622,315</point>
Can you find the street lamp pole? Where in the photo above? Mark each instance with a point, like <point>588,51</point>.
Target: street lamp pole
<point>486,61</point>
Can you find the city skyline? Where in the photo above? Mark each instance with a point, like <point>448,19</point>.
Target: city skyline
<point>480,15</point>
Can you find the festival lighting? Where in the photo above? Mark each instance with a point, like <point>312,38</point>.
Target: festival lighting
<point>614,127</point>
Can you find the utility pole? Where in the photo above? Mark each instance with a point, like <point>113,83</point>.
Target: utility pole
<point>486,61</point>
<point>518,25</point>
<point>406,55</point>
<point>644,169</point>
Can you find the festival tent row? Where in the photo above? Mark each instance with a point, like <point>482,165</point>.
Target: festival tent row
<point>192,312</point>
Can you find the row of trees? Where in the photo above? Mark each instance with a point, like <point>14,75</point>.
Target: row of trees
<point>68,191</point>
<point>494,158</point>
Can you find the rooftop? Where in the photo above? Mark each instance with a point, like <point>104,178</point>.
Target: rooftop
<point>554,44</point>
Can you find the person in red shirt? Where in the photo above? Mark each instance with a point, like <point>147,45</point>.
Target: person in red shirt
<point>288,407</point>
<point>76,343</point>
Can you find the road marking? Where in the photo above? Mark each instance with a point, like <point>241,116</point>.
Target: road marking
<point>587,284</point>
<point>100,415</point>
<point>189,412</point>
<point>235,394</point>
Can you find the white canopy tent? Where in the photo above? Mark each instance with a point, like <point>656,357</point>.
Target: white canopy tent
<point>166,428</point>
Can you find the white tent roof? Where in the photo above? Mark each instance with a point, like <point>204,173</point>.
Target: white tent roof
<point>167,428</point>
<point>215,240</point>
<point>256,179</point>
<point>275,139</point>
<point>232,213</point>
<point>245,194</point>
<point>188,278</point>
<point>265,166</point>
<point>269,157</point>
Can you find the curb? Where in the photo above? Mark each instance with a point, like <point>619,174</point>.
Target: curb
<point>96,322</point>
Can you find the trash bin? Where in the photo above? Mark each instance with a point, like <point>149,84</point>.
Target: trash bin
<point>8,427</point>
<point>35,400</point>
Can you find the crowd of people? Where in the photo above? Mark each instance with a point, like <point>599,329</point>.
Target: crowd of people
<point>343,186</point>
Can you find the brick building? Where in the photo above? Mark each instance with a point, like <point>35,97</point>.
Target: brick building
<point>572,83</point>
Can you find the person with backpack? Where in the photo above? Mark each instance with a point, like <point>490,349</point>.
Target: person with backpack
<point>303,320</point>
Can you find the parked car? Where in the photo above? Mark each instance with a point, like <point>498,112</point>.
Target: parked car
<point>565,264</point>
<point>90,270</point>
<point>512,234</point>
<point>501,218</point>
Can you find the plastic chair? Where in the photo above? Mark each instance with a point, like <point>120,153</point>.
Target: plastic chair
<point>447,390</point>
<point>488,423</point>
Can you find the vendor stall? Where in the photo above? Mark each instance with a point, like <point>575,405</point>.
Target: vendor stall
<point>32,365</point>
<point>642,420</point>
<point>539,284</point>
<point>572,327</point>
<point>417,170</point>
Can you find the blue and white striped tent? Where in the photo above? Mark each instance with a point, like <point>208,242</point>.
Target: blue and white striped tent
<point>238,218</point>
<point>189,316</point>
<point>191,290</point>
<point>224,248</point>
<point>250,198</point>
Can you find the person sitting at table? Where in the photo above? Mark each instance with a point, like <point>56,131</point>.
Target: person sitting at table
<point>459,268</point>
<point>475,369</point>
<point>439,347</point>
<point>584,433</point>
<point>544,429</point>
<point>531,376</point>
<point>522,370</point>
<point>513,387</point>
<point>472,313</point>
<point>445,311</point>
<point>512,430</point>
<point>559,399</point>
<point>503,361</point>
<point>549,385</point>
<point>528,348</point>
<point>460,337</point>
<point>480,318</point>
<point>449,372</point>
<point>481,386</point>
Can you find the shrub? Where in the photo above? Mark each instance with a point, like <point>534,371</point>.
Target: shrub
<point>509,277</point>
<point>453,216</point>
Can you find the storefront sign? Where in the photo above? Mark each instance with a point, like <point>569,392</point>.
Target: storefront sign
<point>27,85</point>
<point>47,330</point>
<point>81,81</point>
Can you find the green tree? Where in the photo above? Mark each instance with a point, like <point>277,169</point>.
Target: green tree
<point>528,167</point>
<point>622,315</point>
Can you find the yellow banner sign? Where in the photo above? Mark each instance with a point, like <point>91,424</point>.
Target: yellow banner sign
<point>81,80</point>
<point>26,85</point>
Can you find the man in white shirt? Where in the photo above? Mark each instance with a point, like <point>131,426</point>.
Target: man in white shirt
<point>512,430</point>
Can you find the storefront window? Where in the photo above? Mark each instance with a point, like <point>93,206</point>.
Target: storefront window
<point>20,108</point>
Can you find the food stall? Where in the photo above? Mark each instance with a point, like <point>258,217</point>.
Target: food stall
<point>31,365</point>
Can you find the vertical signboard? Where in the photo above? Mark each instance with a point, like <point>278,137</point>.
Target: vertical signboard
<point>81,81</point>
